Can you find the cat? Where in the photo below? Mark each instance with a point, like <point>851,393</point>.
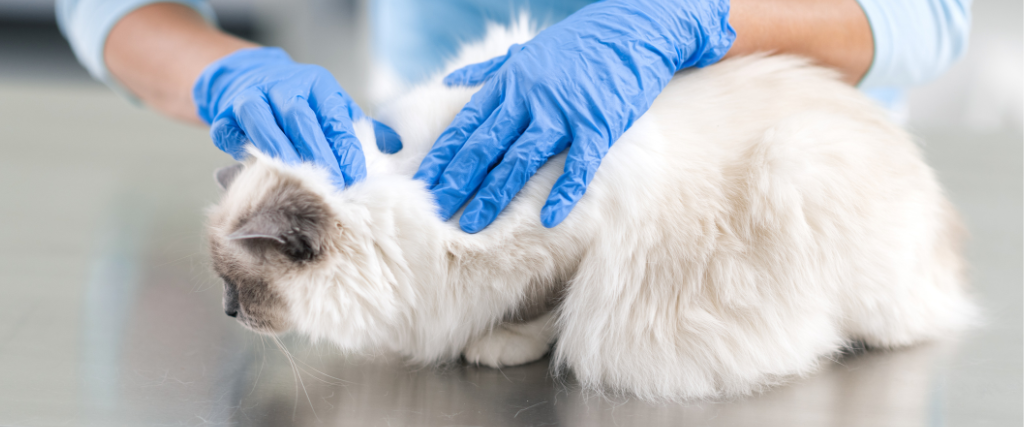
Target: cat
<point>759,218</point>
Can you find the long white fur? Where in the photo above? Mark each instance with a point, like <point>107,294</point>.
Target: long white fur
<point>760,216</point>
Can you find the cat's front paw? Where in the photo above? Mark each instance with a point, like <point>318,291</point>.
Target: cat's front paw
<point>503,347</point>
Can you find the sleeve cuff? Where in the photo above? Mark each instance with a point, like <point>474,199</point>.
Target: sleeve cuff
<point>914,40</point>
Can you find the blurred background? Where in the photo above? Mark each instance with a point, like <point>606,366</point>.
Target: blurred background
<point>110,314</point>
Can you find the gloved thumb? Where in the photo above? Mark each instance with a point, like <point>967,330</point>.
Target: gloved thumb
<point>388,141</point>
<point>475,74</point>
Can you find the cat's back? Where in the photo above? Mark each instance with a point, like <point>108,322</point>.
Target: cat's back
<point>769,128</point>
<point>738,100</point>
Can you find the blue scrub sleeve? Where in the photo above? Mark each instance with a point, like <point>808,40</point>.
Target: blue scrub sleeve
<point>915,40</point>
<point>86,24</point>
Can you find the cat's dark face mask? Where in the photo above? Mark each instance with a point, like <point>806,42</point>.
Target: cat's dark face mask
<point>280,233</point>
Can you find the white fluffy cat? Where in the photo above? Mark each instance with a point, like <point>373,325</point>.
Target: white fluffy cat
<point>759,217</point>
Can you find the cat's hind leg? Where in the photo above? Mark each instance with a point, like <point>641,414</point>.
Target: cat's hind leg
<point>511,344</point>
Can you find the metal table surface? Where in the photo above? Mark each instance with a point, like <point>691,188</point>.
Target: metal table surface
<point>110,314</point>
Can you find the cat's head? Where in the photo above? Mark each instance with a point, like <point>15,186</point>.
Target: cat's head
<point>295,253</point>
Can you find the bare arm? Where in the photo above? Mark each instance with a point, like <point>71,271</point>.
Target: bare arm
<point>158,52</point>
<point>835,33</point>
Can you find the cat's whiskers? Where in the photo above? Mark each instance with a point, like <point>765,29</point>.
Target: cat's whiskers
<point>338,382</point>
<point>298,376</point>
<point>263,361</point>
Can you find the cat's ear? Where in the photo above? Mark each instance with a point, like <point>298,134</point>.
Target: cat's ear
<point>281,232</point>
<point>261,226</point>
<point>226,175</point>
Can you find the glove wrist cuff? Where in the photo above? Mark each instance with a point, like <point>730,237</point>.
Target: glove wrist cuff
<point>694,36</point>
<point>718,34</point>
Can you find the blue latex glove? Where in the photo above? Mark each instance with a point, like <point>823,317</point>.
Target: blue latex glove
<point>579,84</point>
<point>291,111</point>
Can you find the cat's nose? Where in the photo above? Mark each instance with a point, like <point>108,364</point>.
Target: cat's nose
<point>230,299</point>
<point>231,307</point>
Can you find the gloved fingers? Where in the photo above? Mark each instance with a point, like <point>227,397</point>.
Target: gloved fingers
<point>228,137</point>
<point>300,124</point>
<point>254,116</point>
<point>474,74</point>
<point>480,153</point>
<point>477,110</point>
<point>532,149</point>
<point>335,115</point>
<point>388,141</point>
<point>582,161</point>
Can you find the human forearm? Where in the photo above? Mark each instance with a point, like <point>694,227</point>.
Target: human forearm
<point>834,33</point>
<point>158,51</point>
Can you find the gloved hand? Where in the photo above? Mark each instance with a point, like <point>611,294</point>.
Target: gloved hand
<point>291,111</point>
<point>579,84</point>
